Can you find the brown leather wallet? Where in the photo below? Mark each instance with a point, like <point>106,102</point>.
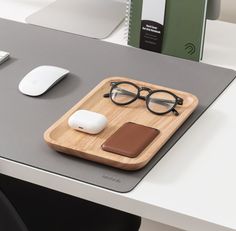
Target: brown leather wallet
<point>130,139</point>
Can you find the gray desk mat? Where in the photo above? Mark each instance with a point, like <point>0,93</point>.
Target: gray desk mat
<point>23,119</point>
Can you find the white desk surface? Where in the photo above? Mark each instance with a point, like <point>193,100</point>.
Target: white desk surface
<point>193,186</point>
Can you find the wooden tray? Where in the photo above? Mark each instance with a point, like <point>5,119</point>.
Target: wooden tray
<point>66,140</point>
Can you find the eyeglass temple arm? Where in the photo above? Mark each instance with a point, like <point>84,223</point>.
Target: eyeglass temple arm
<point>125,92</point>
<point>175,112</point>
<point>180,101</point>
<point>107,95</point>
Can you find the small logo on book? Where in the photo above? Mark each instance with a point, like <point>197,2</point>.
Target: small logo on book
<point>190,48</point>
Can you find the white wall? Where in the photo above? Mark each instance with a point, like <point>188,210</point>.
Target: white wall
<point>228,10</point>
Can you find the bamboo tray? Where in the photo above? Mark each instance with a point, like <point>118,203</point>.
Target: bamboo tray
<point>64,139</point>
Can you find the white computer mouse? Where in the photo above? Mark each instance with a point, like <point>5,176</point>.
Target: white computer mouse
<point>41,79</point>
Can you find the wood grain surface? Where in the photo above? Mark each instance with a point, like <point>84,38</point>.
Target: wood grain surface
<point>64,139</point>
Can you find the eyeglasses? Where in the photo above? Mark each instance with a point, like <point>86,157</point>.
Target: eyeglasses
<point>159,102</point>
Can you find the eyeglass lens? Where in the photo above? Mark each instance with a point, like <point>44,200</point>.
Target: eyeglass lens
<point>124,93</point>
<point>161,102</point>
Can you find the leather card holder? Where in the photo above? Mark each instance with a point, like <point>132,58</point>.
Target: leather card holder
<point>130,139</point>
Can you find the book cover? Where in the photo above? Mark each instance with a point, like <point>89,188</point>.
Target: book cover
<point>184,28</point>
<point>146,24</point>
<point>182,34</point>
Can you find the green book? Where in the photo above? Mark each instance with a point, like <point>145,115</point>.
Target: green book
<point>184,27</point>
<point>134,22</point>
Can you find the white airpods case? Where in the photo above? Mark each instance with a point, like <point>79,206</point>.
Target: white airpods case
<point>87,121</point>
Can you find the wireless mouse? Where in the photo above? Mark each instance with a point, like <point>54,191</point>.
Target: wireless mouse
<point>41,79</point>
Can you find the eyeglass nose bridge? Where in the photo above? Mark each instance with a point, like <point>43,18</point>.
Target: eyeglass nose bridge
<point>145,89</point>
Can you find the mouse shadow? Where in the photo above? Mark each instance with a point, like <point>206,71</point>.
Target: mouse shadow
<point>8,62</point>
<point>65,87</point>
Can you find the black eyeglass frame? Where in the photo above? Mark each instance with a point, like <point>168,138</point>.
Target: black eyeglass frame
<point>178,100</point>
